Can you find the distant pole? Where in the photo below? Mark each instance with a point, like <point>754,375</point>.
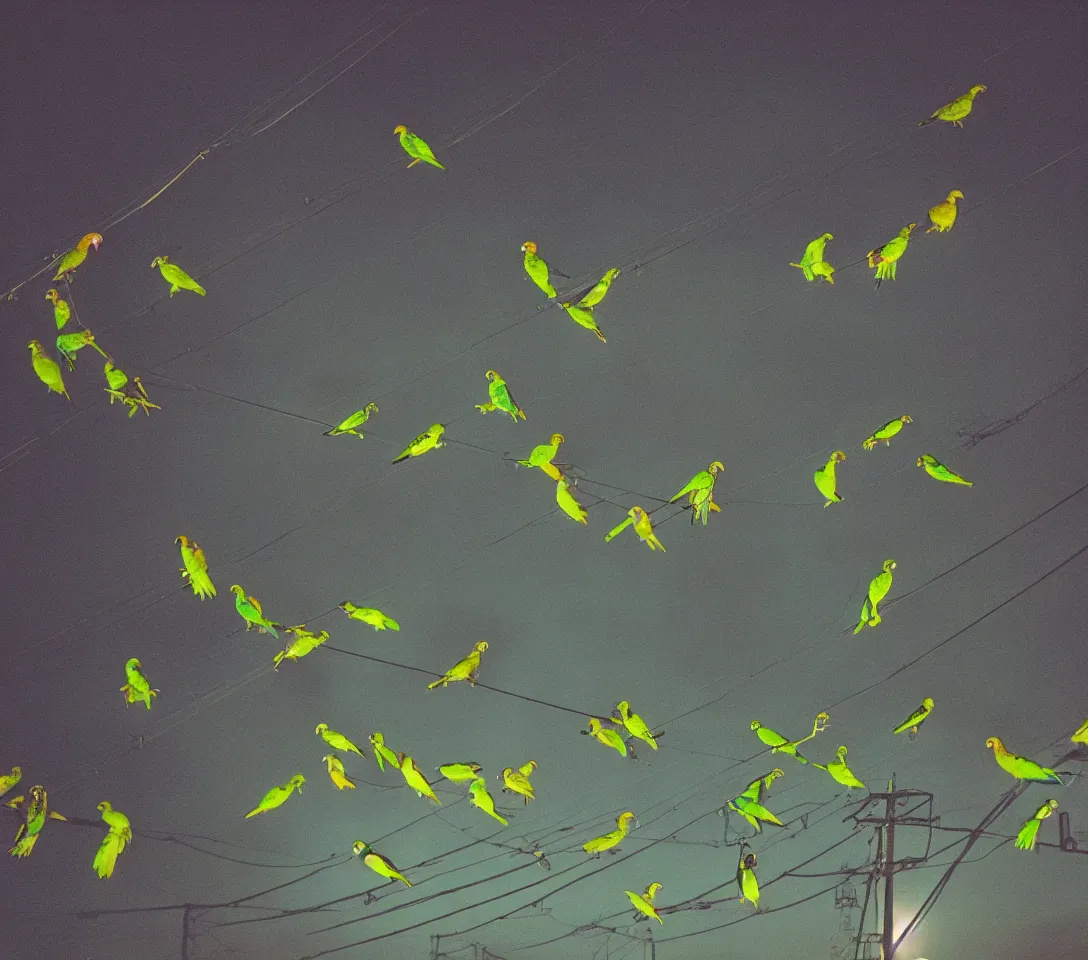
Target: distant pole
<point>888,939</point>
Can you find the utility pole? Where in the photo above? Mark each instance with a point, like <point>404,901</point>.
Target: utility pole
<point>887,939</point>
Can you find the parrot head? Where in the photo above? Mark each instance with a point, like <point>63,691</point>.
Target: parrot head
<point>532,764</point>
<point>557,438</point>
<point>955,195</point>
<point>747,861</point>
<point>237,589</point>
<point>995,744</point>
<point>651,890</point>
<point>91,240</point>
<point>838,456</point>
<point>623,708</point>
<point>889,566</point>
<point>905,232</point>
<point>181,538</point>
<point>104,806</point>
<point>828,236</point>
<point>345,605</point>
<point>624,819</point>
<point>756,724</point>
<point>481,646</point>
<point>505,771</point>
<point>906,418</point>
<point>35,345</point>
<point>360,848</point>
<point>321,728</point>
<point>376,739</point>
<point>53,295</point>
<point>529,246</point>
<point>159,261</point>
<point>977,89</point>
<point>400,128</point>
<point>715,468</point>
<point>927,702</point>
<point>132,664</point>
<point>841,753</point>
<point>296,782</point>
<point>492,375</point>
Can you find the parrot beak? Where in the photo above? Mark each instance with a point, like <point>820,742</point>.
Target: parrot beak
<point>95,242</point>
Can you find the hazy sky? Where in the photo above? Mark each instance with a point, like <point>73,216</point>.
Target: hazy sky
<point>699,147</point>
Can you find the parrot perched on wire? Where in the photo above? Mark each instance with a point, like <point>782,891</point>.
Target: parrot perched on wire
<point>47,369</point>
<point>954,111</point>
<point>700,493</point>
<point>608,840</point>
<point>305,642</point>
<point>643,528</point>
<point>480,798</point>
<point>416,147</point>
<point>749,803</point>
<point>583,316</point>
<point>137,689</point>
<point>382,866</point>
<point>746,876</point>
<point>517,781</point>
<point>635,725</point>
<point>943,215</point>
<point>914,722</point>
<point>195,568</point>
<point>1080,735</point>
<point>1025,839</point>
<point>336,772</point>
<point>606,735</point>
<point>176,277</point>
<point>430,439</point>
<point>812,264</point>
<point>825,480</point>
<point>382,754</point>
<point>595,294</point>
<point>878,590</point>
<point>886,257</point>
<point>938,471</point>
<point>69,344</point>
<point>62,312</point>
<point>73,258</point>
<point>841,772</point>
<point>277,796</point>
<point>414,778</point>
<point>369,615</point>
<point>779,744</point>
<point>462,670</point>
<point>249,609</point>
<point>1020,767</point>
<point>571,507</point>
<point>501,398</point>
<point>336,740</point>
<point>537,269</point>
<point>349,424</point>
<point>9,780</point>
<point>543,455</point>
<point>885,433</point>
<point>131,393</point>
<point>36,811</point>
<point>460,772</point>
<point>644,902</point>
<point>114,842</point>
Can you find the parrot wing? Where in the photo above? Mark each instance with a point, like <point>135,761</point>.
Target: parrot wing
<point>616,531</point>
<point>571,507</point>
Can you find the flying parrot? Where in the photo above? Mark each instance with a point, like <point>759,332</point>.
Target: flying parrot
<point>700,493</point>
<point>277,796</point>
<point>635,725</point>
<point>336,772</point>
<point>69,344</point>
<point>608,840</point>
<point>644,902</point>
<point>841,772</point>
<point>914,722</point>
<point>878,590</point>
<point>35,814</point>
<point>382,754</point>
<point>938,471</point>
<point>749,803</point>
<point>479,797</point>
<point>812,264</point>
<point>430,439</point>
<point>416,147</point>
<point>517,781</point>
<point>47,369</point>
<point>886,432</point>
<point>131,393</point>
<point>137,689</point>
<point>943,215</point>
<point>571,507</point>
<point>595,294</point>
<point>368,615</point>
<point>1020,767</point>
<point>954,111</point>
<point>382,866</point>
<point>543,455</point>
<point>537,269</point>
<point>643,528</point>
<point>9,780</point>
<point>336,740</point>
<point>606,735</point>
<point>414,778</point>
<point>176,277</point>
<point>825,481</point>
<point>62,312</point>
<point>583,316</point>
<point>195,568</point>
<point>1025,839</point>
<point>886,257</point>
<point>348,424</point>
<point>459,772</point>
<point>500,397</point>
<point>746,876</point>
<point>462,670</point>
<point>114,842</point>
<point>250,610</point>
<point>73,258</point>
<point>305,642</point>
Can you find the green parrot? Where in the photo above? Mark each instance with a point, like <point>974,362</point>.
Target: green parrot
<point>382,866</point>
<point>369,615</point>
<point>131,393</point>
<point>348,424</point>
<point>68,344</point>
<point>878,590</point>
<point>571,507</point>
<point>9,780</point>
<point>640,521</point>
<point>34,816</point>
<point>196,568</point>
<point>606,735</point>
<point>500,397</point>
<point>886,257</point>
<point>336,740</point>
<point>583,316</point>
<point>746,876</point>
<point>480,798</point>
<point>277,796</point>
<point>749,803</point>
<point>825,481</point>
<point>885,433</point>
<point>543,455</point>
<point>1025,839</point>
<point>537,269</point>
<point>938,471</point>
<point>382,754</point>
<point>176,277</point>
<point>634,724</point>
<point>416,147</point>
<point>114,842</point>
<point>644,902</point>
<point>954,111</point>
<point>1020,767</point>
<point>841,772</point>
<point>914,722</point>
<point>47,369</point>
<point>700,493</point>
<point>305,642</point>
<point>608,840</point>
<point>73,258</point>
<point>943,214</point>
<point>137,689</point>
<point>460,772</point>
<point>813,264</point>
<point>62,312</point>
<point>596,293</point>
<point>779,744</point>
<point>249,609</point>
<point>430,439</point>
<point>1080,735</point>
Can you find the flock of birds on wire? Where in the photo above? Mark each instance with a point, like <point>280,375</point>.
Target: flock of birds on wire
<point>617,732</point>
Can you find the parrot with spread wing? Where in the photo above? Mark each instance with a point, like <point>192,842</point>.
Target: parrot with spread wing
<point>943,215</point>
<point>73,258</point>
<point>517,781</point>
<point>305,642</point>
<point>606,735</point>
<point>841,772</point>
<point>543,455</point>
<point>349,424</point>
<point>1020,767</point>
<point>62,312</point>
<point>812,264</point>
<point>749,803</point>
<point>779,744</point>
<point>1025,839</point>
<point>886,257</point>
<point>336,772</point>
<point>9,780</point>
<point>137,689</point>
<point>608,840</point>
<point>885,433</point>
<point>700,493</point>
<point>369,615</point>
<point>460,772</point>
<point>69,344</point>
<point>571,507</point>
<point>430,439</point>
<point>954,111</point>
<point>878,590</point>
<point>825,480</point>
<point>176,277</point>
<point>501,398</point>
<point>644,902</point>
<point>35,813</point>
<point>131,393</point>
<point>382,866</point>
<point>414,778</point>
<point>595,294</point>
<point>195,568</point>
<point>114,842</point>
<point>583,316</point>
<point>537,269</point>
<point>635,725</point>
<point>416,147</point>
<point>47,369</point>
<point>914,722</point>
<point>938,471</point>
<point>277,796</point>
<point>250,610</point>
<point>382,754</point>
<point>462,670</point>
<point>480,798</point>
<point>643,527</point>
<point>336,740</point>
<point>746,876</point>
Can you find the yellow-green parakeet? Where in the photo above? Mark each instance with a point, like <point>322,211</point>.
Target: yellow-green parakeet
<point>336,740</point>
<point>914,722</point>
<point>1080,735</point>
<point>460,772</point>
<point>9,780</point>
<point>137,689</point>
<point>595,294</point>
<point>571,507</point>
<point>746,877</point>
<point>938,471</point>
<point>131,393</point>
<point>885,433</point>
<point>608,840</point>
<point>249,609</point>
<point>62,312</point>
<point>336,772</point>
<point>537,268</point>
<point>749,803</point>
<point>382,866</point>
<point>382,754</point>
<point>47,369</point>
<point>430,439</point>
<point>954,111</point>
<point>700,493</point>
<point>878,590</point>
<point>73,258</point>
<point>1020,767</point>
<point>114,842</point>
<point>176,277</point>
<point>779,744</point>
<point>517,781</point>
<point>812,264</point>
<point>277,796</point>
<point>349,424</point>
<point>501,399</point>
<point>643,527</point>
<point>462,670</point>
<point>35,812</point>
<point>886,257</point>
<point>635,725</point>
<point>416,147</point>
<point>644,902</point>
<point>543,455</point>
<point>583,316</point>
<point>841,772</point>
<point>69,344</point>
<point>480,798</point>
<point>414,778</point>
<point>369,615</point>
<point>305,642</point>
<point>606,735</point>
<point>943,215</point>
<point>825,480</point>
<point>195,568</point>
<point>1025,839</point>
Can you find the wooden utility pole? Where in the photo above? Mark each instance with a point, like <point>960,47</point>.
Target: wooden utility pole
<point>887,940</point>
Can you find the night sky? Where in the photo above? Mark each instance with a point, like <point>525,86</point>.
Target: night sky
<point>699,147</point>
